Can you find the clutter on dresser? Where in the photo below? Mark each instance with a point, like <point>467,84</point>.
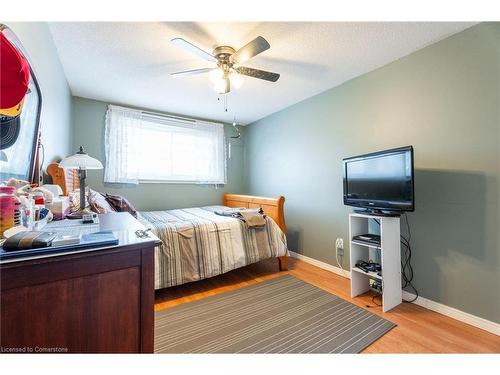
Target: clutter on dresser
<point>60,207</point>
<point>41,242</point>
<point>54,189</point>
<point>25,188</point>
<point>55,236</point>
<point>9,208</point>
<point>28,240</point>
<point>24,205</point>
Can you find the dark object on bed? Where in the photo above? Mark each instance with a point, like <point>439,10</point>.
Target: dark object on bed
<point>121,204</point>
<point>253,217</point>
<point>98,203</point>
<point>103,203</point>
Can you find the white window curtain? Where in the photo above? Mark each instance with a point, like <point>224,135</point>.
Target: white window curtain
<point>143,147</point>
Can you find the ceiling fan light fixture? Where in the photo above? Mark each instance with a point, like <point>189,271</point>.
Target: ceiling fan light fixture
<point>222,86</point>
<point>236,80</point>
<point>216,75</point>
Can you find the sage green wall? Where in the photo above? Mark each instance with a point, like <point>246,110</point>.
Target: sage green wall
<point>444,100</point>
<point>55,120</point>
<point>88,128</point>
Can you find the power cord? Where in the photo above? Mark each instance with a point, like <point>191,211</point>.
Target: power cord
<point>374,300</point>
<point>406,266</point>
<point>340,263</point>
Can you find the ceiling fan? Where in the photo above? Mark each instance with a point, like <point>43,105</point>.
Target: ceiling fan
<point>229,71</point>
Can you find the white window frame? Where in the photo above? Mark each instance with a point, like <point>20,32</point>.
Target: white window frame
<point>133,118</point>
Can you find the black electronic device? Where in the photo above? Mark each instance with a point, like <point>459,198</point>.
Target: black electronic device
<point>90,218</point>
<point>368,266</point>
<point>376,286</point>
<point>381,182</point>
<point>369,238</point>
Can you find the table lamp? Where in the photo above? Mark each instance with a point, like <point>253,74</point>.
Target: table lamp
<point>81,161</point>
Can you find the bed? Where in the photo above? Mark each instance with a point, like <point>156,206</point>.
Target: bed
<point>198,243</point>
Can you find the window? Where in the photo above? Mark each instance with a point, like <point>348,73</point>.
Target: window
<point>143,147</point>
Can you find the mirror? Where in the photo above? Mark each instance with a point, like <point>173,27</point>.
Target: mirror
<point>19,159</point>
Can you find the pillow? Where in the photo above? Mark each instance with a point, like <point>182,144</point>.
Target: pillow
<point>121,204</point>
<point>98,203</point>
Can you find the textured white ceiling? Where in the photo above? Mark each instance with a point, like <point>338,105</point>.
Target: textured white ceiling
<point>129,63</point>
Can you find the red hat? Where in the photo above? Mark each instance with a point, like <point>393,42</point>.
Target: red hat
<point>14,75</point>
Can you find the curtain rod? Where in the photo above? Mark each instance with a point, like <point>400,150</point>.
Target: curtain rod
<point>161,115</point>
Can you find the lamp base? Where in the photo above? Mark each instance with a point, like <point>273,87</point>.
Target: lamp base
<point>82,174</point>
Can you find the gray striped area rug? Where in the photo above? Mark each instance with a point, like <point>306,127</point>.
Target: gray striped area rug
<point>281,315</point>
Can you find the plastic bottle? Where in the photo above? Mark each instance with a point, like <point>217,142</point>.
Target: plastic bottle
<point>7,208</point>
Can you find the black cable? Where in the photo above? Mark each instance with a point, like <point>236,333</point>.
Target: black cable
<point>375,304</point>
<point>407,273</point>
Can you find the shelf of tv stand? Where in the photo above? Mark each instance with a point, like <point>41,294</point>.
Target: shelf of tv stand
<point>366,244</point>
<point>389,252</point>
<point>368,274</point>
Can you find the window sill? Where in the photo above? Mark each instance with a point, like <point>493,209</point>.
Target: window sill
<point>179,182</point>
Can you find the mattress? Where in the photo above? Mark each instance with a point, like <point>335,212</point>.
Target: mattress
<point>198,244</point>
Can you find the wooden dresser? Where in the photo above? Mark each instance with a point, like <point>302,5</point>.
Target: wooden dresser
<point>97,300</point>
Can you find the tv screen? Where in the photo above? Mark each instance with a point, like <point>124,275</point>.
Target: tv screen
<point>380,181</point>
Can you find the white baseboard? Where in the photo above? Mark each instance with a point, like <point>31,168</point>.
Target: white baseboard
<point>320,264</point>
<point>451,312</point>
<point>454,313</point>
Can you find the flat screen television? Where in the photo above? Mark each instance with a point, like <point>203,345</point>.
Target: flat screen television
<point>380,181</point>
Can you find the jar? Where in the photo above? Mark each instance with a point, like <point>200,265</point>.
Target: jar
<point>7,208</point>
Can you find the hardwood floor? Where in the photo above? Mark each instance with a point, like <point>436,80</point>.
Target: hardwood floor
<point>418,330</point>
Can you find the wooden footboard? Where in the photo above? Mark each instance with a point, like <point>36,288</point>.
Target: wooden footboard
<point>273,207</point>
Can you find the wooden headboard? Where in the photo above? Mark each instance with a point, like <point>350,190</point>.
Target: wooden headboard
<point>273,207</point>
<point>67,179</point>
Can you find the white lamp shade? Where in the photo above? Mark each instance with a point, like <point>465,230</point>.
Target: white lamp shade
<point>80,160</point>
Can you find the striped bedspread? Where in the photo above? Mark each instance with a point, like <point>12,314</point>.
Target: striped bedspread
<point>198,244</point>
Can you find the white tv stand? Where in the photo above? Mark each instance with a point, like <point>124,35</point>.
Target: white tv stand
<point>390,255</point>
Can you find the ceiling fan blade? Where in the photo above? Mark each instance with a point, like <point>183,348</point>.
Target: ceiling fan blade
<point>179,42</point>
<point>257,73</point>
<point>256,46</point>
<point>191,72</point>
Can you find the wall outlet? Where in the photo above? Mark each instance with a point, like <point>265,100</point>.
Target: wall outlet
<point>339,246</point>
